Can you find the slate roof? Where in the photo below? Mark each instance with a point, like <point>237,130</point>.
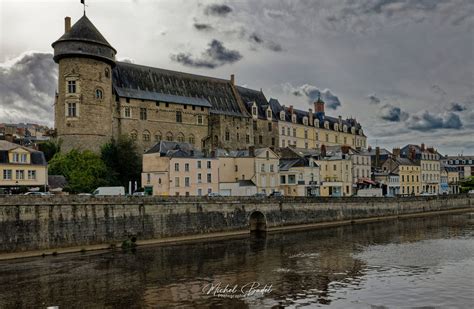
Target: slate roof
<point>37,157</point>
<point>161,97</point>
<point>249,96</point>
<point>286,164</point>
<point>160,82</point>
<point>84,30</point>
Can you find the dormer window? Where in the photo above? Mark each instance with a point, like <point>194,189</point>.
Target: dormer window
<point>282,116</point>
<point>353,130</point>
<point>316,123</point>
<point>344,128</point>
<point>269,114</point>
<point>361,132</point>
<point>254,110</point>
<point>293,118</point>
<point>326,125</point>
<point>305,121</point>
<point>335,127</point>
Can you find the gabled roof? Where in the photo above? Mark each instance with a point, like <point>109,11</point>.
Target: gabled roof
<point>249,96</point>
<point>158,83</point>
<point>84,30</point>
<point>163,147</point>
<point>287,164</point>
<point>37,157</point>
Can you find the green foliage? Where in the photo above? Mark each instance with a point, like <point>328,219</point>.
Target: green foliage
<point>50,148</point>
<point>467,184</point>
<point>123,162</point>
<point>84,170</point>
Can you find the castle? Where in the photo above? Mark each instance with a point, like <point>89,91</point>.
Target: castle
<point>99,98</point>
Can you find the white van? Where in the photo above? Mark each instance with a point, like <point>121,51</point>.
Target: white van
<point>109,191</point>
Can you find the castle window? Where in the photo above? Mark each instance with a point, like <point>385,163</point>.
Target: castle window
<point>269,127</point>
<point>260,139</point>
<point>143,113</point>
<point>169,136</point>
<point>191,139</point>
<point>127,112</point>
<point>327,137</point>
<point>127,100</point>
<point>269,113</point>
<point>167,105</point>
<point>98,94</point>
<point>181,137</point>
<point>282,115</point>
<point>282,130</point>
<point>107,72</point>
<point>185,106</point>
<point>254,110</point>
<point>146,136</point>
<point>158,136</point>
<point>71,110</point>
<point>71,86</point>
<point>227,135</point>
<point>202,109</point>
<point>247,138</point>
<point>199,119</point>
<point>179,117</point>
<point>194,108</point>
<point>305,133</point>
<point>255,125</point>
<point>133,135</point>
<point>294,132</point>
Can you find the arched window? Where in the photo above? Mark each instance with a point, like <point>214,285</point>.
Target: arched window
<point>133,135</point>
<point>191,139</point>
<point>158,136</point>
<point>180,137</point>
<point>282,115</point>
<point>305,121</point>
<point>99,94</point>
<point>335,127</point>
<point>146,136</point>
<point>107,72</point>
<point>316,123</point>
<point>293,118</point>
<point>254,110</point>
<point>169,136</point>
<point>269,113</point>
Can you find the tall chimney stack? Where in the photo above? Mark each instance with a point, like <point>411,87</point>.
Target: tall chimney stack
<point>67,24</point>
<point>310,117</point>
<point>232,79</point>
<point>319,106</point>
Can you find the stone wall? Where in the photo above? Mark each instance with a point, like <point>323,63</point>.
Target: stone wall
<point>36,223</point>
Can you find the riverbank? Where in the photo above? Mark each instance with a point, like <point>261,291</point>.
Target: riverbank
<point>220,236</point>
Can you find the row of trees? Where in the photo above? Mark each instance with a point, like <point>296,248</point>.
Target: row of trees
<point>467,184</point>
<point>117,164</point>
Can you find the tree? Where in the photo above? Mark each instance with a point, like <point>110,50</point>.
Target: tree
<point>467,184</point>
<point>50,148</point>
<point>123,162</point>
<point>84,171</point>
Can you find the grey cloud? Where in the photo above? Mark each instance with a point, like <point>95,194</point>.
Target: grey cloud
<point>438,90</point>
<point>126,60</point>
<point>456,107</point>
<point>254,38</point>
<point>27,86</point>
<point>428,121</point>
<point>217,10</point>
<point>392,113</point>
<point>214,56</point>
<point>203,27</point>
<point>312,93</point>
<point>373,99</point>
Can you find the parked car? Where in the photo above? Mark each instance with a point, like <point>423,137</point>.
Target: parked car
<point>38,193</point>
<point>213,194</point>
<point>109,191</point>
<point>275,194</point>
<point>139,194</point>
<point>470,192</point>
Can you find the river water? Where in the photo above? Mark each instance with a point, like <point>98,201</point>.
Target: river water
<point>419,262</point>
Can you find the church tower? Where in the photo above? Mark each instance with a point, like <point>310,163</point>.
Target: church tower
<point>84,102</point>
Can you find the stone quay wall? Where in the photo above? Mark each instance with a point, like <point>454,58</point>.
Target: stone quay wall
<point>29,223</point>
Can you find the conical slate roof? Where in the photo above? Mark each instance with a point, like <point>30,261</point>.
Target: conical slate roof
<point>84,30</point>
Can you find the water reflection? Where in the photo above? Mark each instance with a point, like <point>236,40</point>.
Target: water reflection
<point>337,266</point>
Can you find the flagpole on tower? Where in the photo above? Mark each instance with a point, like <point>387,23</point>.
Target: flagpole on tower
<point>84,3</point>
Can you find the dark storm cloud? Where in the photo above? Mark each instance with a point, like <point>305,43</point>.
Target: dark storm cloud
<point>312,93</point>
<point>217,10</point>
<point>456,107</point>
<point>257,39</point>
<point>214,56</point>
<point>203,27</point>
<point>27,86</point>
<point>392,113</point>
<point>428,121</point>
<point>373,99</point>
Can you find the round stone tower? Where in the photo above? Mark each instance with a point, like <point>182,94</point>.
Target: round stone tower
<point>84,102</point>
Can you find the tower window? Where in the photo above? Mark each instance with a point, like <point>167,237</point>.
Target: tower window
<point>179,117</point>
<point>71,110</point>
<point>71,86</point>
<point>127,112</point>
<point>98,94</point>
<point>142,113</point>
<point>107,72</point>
<point>199,119</point>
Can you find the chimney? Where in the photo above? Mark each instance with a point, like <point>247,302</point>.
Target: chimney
<point>396,152</point>
<point>67,24</point>
<point>310,117</point>
<point>369,148</point>
<point>291,109</point>
<point>232,79</point>
<point>377,156</point>
<point>319,106</point>
<point>422,147</point>
<point>251,151</point>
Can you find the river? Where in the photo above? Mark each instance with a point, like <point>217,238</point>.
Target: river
<point>418,262</point>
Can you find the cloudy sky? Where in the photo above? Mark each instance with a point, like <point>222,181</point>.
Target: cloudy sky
<point>403,68</point>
